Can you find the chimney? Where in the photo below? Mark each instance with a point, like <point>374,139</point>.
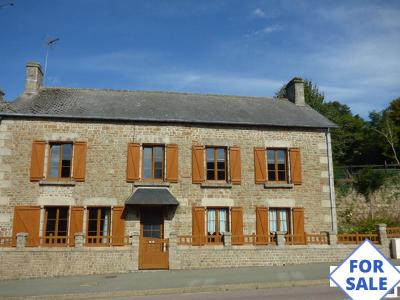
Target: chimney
<point>34,78</point>
<point>1,95</point>
<point>295,91</point>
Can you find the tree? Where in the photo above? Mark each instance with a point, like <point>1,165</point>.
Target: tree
<point>348,139</point>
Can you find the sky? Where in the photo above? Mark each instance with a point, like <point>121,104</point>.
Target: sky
<point>350,49</point>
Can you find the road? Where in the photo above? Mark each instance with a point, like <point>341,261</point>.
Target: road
<point>298,293</point>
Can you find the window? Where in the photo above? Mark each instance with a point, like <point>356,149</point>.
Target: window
<point>279,220</point>
<point>216,163</point>
<point>217,224</point>
<point>98,228</point>
<point>277,165</point>
<point>60,161</point>
<point>153,162</point>
<point>56,225</point>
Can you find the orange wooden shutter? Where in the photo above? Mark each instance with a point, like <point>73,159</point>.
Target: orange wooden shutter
<point>262,225</point>
<point>79,163</point>
<point>295,165</point>
<point>235,167</point>
<point>132,169</point>
<point>260,167</point>
<point>76,223</point>
<point>198,226</point>
<point>172,162</point>
<point>37,160</point>
<point>118,226</point>
<point>198,164</point>
<point>27,219</point>
<point>298,222</point>
<point>237,225</point>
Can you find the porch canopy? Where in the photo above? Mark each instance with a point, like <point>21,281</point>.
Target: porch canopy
<point>152,196</point>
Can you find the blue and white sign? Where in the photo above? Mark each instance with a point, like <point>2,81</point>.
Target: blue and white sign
<point>366,274</point>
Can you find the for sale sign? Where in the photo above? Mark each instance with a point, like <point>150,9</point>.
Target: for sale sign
<point>366,274</point>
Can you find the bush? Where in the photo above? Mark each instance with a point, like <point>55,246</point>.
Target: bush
<point>368,181</point>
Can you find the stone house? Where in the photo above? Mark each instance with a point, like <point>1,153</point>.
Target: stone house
<point>103,169</point>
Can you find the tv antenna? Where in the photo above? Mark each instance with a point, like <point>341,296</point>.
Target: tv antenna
<point>49,43</point>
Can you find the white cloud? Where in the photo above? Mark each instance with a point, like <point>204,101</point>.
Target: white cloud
<point>259,13</point>
<point>266,30</point>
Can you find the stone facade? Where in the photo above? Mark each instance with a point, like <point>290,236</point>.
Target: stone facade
<point>106,165</point>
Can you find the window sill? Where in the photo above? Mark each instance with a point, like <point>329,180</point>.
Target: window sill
<point>278,185</point>
<point>57,183</point>
<point>151,184</point>
<point>216,185</point>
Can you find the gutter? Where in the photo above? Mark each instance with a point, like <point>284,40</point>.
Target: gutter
<point>331,181</point>
<point>148,120</point>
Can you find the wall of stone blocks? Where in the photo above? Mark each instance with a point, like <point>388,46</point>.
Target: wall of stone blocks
<point>106,184</point>
<point>39,262</point>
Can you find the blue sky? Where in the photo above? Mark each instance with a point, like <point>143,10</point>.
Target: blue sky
<point>350,49</point>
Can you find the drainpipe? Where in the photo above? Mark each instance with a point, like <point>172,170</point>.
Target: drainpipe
<point>331,181</point>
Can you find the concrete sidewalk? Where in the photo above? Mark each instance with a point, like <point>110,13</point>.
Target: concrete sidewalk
<point>159,282</point>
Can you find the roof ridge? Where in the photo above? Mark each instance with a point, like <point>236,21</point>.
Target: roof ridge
<point>159,92</point>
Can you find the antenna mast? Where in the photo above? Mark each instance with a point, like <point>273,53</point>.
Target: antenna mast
<point>50,42</point>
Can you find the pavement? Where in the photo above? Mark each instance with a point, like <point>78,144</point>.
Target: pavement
<point>143,283</point>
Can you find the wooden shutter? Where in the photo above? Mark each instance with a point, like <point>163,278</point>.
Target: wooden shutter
<point>132,169</point>
<point>75,223</point>
<point>237,225</point>
<point>260,167</point>
<point>262,234</point>
<point>198,164</point>
<point>295,165</point>
<point>298,224</point>
<point>118,226</point>
<point>198,226</point>
<point>172,162</point>
<point>235,167</point>
<point>79,161</point>
<point>27,219</point>
<point>37,160</point>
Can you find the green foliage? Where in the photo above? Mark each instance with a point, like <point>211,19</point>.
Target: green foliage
<point>367,225</point>
<point>368,181</point>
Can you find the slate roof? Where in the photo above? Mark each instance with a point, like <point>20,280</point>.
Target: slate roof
<point>151,196</point>
<point>149,106</point>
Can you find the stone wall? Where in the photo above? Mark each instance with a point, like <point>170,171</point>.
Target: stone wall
<point>42,262</point>
<point>106,184</point>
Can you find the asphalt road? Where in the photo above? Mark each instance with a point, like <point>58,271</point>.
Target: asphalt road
<point>298,293</point>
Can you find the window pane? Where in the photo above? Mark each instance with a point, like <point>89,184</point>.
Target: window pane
<point>281,156</point>
<point>221,175</point>
<point>63,212</point>
<point>221,154</point>
<point>271,172</point>
<point>221,163</point>
<point>158,162</point>
<point>67,151</point>
<point>210,174</point>
<point>223,221</point>
<point>272,220</point>
<point>281,176</point>
<point>283,218</point>
<point>271,156</point>
<point>211,221</point>
<point>51,213</point>
<point>50,226</point>
<point>210,155</point>
<point>147,157</point>
<point>55,159</point>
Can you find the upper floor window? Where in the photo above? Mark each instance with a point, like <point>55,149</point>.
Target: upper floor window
<point>216,163</point>
<point>279,219</point>
<point>153,162</point>
<point>60,160</point>
<point>277,165</point>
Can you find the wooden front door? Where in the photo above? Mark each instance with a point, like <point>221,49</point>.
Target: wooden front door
<point>153,248</point>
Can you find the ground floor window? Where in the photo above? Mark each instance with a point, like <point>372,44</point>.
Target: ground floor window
<point>56,225</point>
<point>217,224</point>
<point>279,220</point>
<point>98,227</point>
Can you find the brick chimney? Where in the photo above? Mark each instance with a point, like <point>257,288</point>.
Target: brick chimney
<point>34,78</point>
<point>295,91</point>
